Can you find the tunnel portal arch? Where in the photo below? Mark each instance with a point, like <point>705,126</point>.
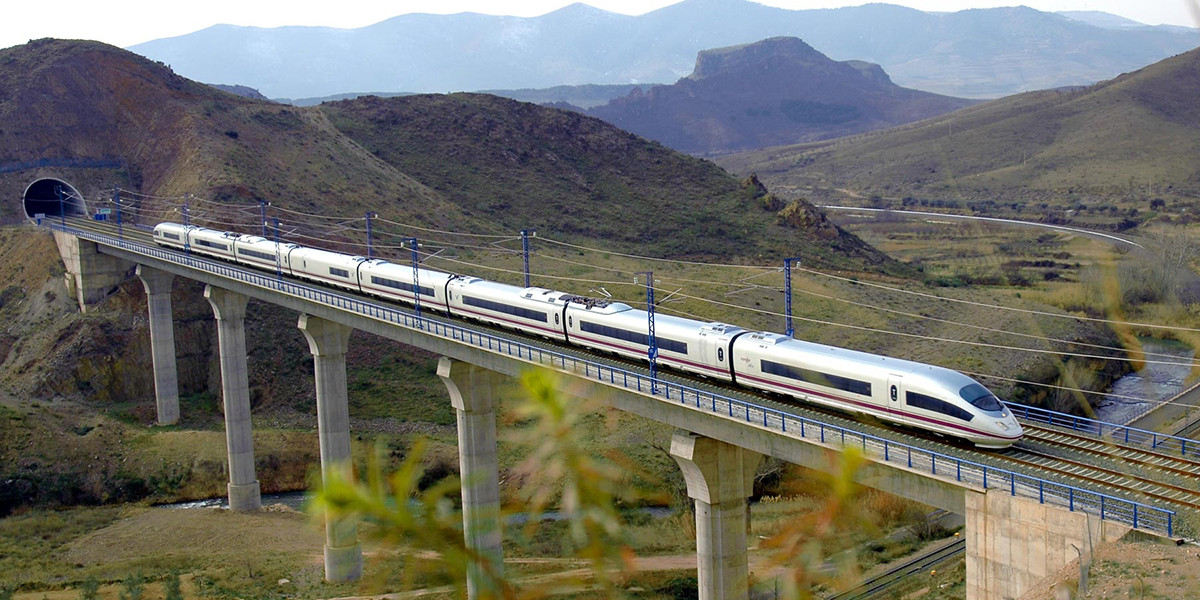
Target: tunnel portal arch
<point>53,197</point>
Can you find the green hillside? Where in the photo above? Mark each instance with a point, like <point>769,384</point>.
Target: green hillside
<point>1139,132</point>
<point>517,165</point>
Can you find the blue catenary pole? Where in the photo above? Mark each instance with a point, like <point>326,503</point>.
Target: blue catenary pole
<point>416,287</point>
<point>120,229</point>
<point>278,254</point>
<point>652,348</point>
<point>787,296</point>
<point>262,216</point>
<point>370,249</point>
<point>525,251</point>
<point>62,213</point>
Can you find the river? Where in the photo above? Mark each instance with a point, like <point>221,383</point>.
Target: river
<point>1134,394</point>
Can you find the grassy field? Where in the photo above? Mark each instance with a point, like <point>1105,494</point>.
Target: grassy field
<point>277,553</point>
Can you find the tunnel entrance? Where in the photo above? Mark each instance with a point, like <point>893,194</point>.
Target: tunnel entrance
<point>53,197</point>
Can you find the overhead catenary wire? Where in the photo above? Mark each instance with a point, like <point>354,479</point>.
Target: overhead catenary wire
<point>1000,377</point>
<point>767,271</point>
<point>938,339</point>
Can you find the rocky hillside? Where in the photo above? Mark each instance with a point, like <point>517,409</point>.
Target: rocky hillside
<point>76,389</point>
<point>461,162</point>
<point>1139,131</point>
<point>770,93</point>
<point>519,166</point>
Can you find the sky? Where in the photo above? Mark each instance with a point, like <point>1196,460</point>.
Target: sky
<point>128,22</point>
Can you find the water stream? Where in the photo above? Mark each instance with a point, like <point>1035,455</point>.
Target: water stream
<point>1134,394</point>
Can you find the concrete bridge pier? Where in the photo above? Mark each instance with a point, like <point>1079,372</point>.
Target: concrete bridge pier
<point>91,276</point>
<point>328,342</point>
<point>230,311</point>
<point>720,479</point>
<point>162,342</point>
<point>1014,543</point>
<point>472,392</point>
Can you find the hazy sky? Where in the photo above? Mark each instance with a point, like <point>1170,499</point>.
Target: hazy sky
<point>128,22</point>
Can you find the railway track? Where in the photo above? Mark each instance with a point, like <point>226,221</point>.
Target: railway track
<point>1168,481</point>
<point>894,576</point>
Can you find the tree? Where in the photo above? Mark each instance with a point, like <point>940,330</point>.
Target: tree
<point>171,587</point>
<point>131,587</point>
<point>560,470</point>
<point>90,589</point>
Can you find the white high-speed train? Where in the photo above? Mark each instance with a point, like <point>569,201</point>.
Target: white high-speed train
<point>909,393</point>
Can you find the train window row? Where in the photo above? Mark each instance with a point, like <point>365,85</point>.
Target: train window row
<point>257,254</point>
<point>507,309</point>
<point>339,272</point>
<point>214,245</point>
<point>938,406</point>
<point>171,236</point>
<point>845,384</point>
<point>633,336</point>
<point>400,285</point>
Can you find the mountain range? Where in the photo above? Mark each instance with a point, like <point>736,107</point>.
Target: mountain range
<point>103,117</point>
<point>774,92</point>
<point>1139,132</point>
<point>972,53</point>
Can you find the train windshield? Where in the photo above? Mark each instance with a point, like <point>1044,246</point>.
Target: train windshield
<point>980,397</point>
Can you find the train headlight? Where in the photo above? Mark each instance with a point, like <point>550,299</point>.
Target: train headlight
<point>1002,425</point>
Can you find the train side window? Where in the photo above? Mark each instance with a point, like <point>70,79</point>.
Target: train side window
<point>720,354</point>
<point>895,394</point>
<point>556,317</point>
<point>570,321</point>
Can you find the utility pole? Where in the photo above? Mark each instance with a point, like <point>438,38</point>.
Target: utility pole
<point>416,285</point>
<point>787,296</point>
<point>370,249</point>
<point>652,349</point>
<point>278,254</point>
<point>120,229</point>
<point>525,233</point>
<point>62,213</point>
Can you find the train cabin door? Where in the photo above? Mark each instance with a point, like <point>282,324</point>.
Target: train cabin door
<point>895,397</point>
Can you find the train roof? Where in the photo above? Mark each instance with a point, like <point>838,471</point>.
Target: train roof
<point>940,375</point>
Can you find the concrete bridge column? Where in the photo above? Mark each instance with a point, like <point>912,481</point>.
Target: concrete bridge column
<point>328,342</point>
<point>720,477</point>
<point>472,391</point>
<point>1014,543</point>
<point>230,310</point>
<point>162,342</point>
<point>91,276</point>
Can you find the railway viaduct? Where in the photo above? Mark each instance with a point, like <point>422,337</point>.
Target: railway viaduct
<point>1019,529</point>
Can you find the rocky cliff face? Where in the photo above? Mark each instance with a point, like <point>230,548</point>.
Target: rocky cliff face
<point>774,92</point>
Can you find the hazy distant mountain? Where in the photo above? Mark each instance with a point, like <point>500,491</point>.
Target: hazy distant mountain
<point>774,92</point>
<point>972,53</point>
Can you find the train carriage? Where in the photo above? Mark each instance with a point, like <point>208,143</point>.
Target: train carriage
<point>536,311</point>
<point>389,280</point>
<point>332,268</point>
<point>258,251</point>
<point>212,242</point>
<point>616,327</point>
<point>900,391</point>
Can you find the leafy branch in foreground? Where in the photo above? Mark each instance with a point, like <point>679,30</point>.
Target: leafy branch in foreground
<point>590,488</point>
<point>798,550</point>
<point>425,529</point>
